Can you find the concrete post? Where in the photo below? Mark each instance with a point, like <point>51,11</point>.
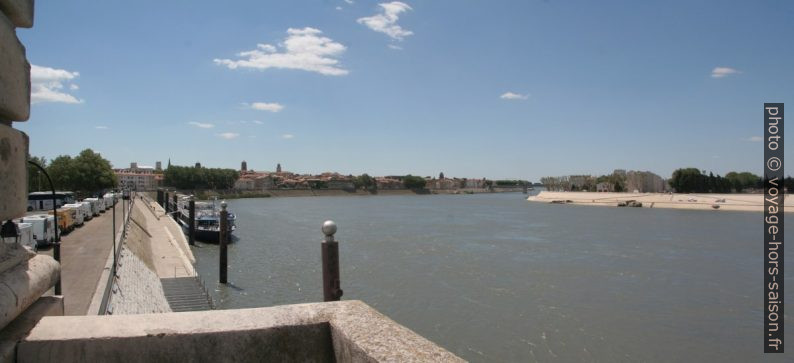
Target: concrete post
<point>223,236</point>
<point>165,201</point>
<point>113,240</point>
<point>332,289</point>
<point>191,227</point>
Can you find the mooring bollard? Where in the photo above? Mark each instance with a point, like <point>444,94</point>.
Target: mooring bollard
<point>223,236</point>
<point>191,227</point>
<point>160,197</point>
<point>332,289</point>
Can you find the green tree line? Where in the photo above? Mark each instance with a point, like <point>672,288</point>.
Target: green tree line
<point>88,173</point>
<point>193,178</point>
<point>692,180</point>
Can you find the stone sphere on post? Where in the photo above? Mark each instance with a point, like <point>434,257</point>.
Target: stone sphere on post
<point>223,205</point>
<point>329,229</point>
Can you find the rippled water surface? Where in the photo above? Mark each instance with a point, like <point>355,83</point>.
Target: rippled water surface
<point>492,277</point>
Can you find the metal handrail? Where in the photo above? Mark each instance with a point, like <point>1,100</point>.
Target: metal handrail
<point>113,271</point>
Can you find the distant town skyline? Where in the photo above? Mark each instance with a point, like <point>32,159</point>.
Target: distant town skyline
<point>473,89</point>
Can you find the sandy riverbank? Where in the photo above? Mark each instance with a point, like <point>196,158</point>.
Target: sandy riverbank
<point>701,201</point>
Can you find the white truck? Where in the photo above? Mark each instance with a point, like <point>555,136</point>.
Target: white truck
<point>43,227</point>
<point>79,213</point>
<point>109,200</point>
<point>95,206</point>
<point>26,235</point>
<point>85,207</point>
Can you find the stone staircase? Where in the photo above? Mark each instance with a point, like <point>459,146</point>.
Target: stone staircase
<point>186,294</point>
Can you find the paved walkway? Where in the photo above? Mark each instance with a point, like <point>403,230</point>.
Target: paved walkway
<point>84,253</point>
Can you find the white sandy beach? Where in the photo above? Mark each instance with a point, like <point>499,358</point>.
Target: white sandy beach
<point>703,201</point>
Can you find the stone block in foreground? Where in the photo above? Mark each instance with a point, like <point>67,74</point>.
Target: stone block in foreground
<point>20,12</point>
<point>345,331</point>
<point>13,172</point>
<point>21,326</point>
<point>22,285</point>
<point>14,75</point>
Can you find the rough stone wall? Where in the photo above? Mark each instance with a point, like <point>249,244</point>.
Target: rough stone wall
<point>138,289</point>
<point>24,276</point>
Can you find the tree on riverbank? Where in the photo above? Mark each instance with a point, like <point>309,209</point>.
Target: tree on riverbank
<point>196,178</point>
<point>692,180</point>
<point>414,182</point>
<point>88,173</point>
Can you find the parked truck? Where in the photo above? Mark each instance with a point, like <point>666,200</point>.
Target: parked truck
<point>95,206</point>
<point>43,227</point>
<point>79,215</point>
<point>26,235</point>
<point>66,217</point>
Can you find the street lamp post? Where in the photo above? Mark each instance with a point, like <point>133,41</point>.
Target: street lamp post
<point>56,245</point>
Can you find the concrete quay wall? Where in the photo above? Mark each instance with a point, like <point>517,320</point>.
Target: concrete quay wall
<point>345,331</point>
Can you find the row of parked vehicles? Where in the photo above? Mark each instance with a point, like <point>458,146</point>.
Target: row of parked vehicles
<point>38,229</point>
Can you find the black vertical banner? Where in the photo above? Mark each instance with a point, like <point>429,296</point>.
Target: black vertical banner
<point>773,227</point>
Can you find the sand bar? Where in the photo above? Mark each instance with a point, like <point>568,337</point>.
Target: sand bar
<point>701,201</point>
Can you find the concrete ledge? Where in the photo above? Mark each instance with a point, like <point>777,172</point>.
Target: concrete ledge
<point>20,12</point>
<point>14,75</point>
<point>13,169</point>
<point>19,328</point>
<point>347,331</point>
<point>21,286</point>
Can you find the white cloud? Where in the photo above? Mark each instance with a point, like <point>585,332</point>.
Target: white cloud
<point>46,85</point>
<point>719,72</point>
<point>755,139</point>
<point>258,122</point>
<point>201,125</point>
<point>349,2</point>
<point>386,21</point>
<point>101,127</point>
<point>229,135</point>
<point>287,136</point>
<point>395,47</point>
<point>338,8</point>
<point>303,49</point>
<point>265,106</point>
<point>74,87</point>
<point>513,96</point>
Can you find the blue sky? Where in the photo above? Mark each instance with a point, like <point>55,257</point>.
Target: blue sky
<point>498,89</point>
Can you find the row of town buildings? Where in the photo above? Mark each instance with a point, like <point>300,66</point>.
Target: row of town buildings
<point>251,180</point>
<point>142,177</point>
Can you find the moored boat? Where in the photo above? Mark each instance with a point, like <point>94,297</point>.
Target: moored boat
<point>208,220</point>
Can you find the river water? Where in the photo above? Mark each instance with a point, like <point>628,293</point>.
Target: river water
<point>492,277</point>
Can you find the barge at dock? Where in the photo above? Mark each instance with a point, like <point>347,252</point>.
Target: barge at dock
<point>208,220</point>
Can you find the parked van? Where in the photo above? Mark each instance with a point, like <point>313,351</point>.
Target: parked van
<point>43,227</point>
<point>66,219</point>
<point>79,215</point>
<point>88,212</point>
<point>26,235</point>
<point>109,200</point>
<point>95,206</point>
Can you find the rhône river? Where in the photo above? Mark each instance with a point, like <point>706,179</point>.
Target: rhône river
<point>492,277</point>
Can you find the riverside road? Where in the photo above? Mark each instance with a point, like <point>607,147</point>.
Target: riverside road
<point>84,253</point>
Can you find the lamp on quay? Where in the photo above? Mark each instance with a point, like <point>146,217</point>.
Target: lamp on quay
<point>10,231</point>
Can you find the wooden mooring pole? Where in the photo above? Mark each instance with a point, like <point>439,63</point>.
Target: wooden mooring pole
<point>332,289</point>
<point>223,236</point>
<point>191,227</point>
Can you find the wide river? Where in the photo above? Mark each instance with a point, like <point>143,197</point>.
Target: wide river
<point>492,277</point>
